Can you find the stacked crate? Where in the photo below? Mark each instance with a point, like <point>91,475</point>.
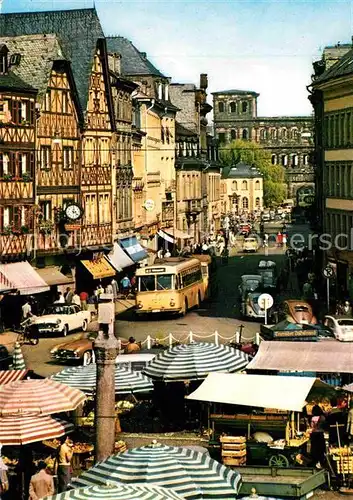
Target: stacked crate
<point>233,450</point>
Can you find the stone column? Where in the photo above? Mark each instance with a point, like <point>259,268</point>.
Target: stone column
<point>106,348</point>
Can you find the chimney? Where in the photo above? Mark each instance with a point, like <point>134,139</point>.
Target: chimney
<point>144,55</point>
<point>203,81</point>
<point>114,63</point>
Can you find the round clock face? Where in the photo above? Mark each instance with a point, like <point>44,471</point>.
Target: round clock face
<point>73,211</point>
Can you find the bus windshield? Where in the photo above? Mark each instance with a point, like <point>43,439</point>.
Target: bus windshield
<point>164,282</point>
<point>149,283</point>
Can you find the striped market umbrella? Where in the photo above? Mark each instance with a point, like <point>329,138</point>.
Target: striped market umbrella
<point>195,361</point>
<point>38,397</point>
<point>24,430</point>
<point>189,473</point>
<point>84,378</point>
<point>119,492</point>
<point>18,362</point>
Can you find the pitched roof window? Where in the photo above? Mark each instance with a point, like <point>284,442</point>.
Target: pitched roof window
<point>3,59</point>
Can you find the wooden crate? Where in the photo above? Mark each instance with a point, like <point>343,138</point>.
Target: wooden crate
<point>234,453</point>
<point>233,439</point>
<point>234,461</point>
<point>233,446</point>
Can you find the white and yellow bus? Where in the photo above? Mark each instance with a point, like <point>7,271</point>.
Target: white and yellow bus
<point>172,285</point>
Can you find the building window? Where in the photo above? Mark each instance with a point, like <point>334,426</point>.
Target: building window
<point>45,157</point>
<point>274,159</point>
<point>262,134</point>
<point>4,164</point>
<point>232,107</point>
<point>47,102</point>
<point>257,203</point>
<point>294,160</point>
<point>68,158</point>
<point>244,185</point>
<point>284,133</point>
<point>45,210</point>
<point>3,60</point>
<point>221,107</point>
<point>284,160</point>
<point>245,134</point>
<point>245,203</point>
<point>234,186</point>
<point>65,103</point>
<point>222,137</point>
<point>257,185</point>
<point>233,134</point>
<point>244,107</point>
<point>306,159</point>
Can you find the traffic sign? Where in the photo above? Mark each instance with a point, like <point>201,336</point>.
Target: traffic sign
<point>328,272</point>
<point>265,301</point>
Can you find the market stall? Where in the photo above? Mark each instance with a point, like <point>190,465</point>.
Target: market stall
<point>249,405</point>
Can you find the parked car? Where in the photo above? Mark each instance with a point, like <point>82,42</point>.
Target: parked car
<point>341,327</point>
<point>249,283</point>
<point>250,307</point>
<point>266,217</point>
<point>250,244</point>
<point>61,319</point>
<point>244,229</point>
<point>79,350</point>
<point>268,271</point>
<point>294,311</point>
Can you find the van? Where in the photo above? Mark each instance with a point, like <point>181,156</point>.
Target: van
<point>135,362</point>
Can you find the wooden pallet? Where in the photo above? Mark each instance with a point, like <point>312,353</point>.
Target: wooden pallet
<point>234,453</point>
<point>234,461</point>
<point>233,439</point>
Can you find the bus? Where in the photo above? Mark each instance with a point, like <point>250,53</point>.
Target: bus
<point>172,285</point>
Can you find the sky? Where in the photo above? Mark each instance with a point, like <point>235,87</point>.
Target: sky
<point>267,46</point>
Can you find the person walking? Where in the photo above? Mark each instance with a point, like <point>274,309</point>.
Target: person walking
<point>26,310</point>
<point>317,436</point>
<point>125,285</point>
<point>65,455</point>
<point>4,480</point>
<point>132,346</point>
<point>76,299</point>
<point>68,296</point>
<point>60,299</point>
<point>42,483</point>
<point>83,300</point>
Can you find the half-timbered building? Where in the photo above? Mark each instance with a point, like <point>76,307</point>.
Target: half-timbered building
<point>17,156</point>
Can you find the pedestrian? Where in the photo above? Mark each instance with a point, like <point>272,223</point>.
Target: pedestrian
<point>133,284</point>
<point>284,240</point>
<point>160,253</point>
<point>125,285</point>
<point>65,455</point>
<point>26,310</point>
<point>42,483</point>
<point>109,289</point>
<point>317,437</point>
<point>167,254</point>
<point>265,240</point>
<point>76,299</point>
<point>60,299</point>
<point>132,346</point>
<point>83,300</point>
<point>4,480</point>
<point>204,248</point>
<point>68,296</point>
<point>347,309</point>
<point>335,417</point>
<point>115,287</point>
<point>279,239</point>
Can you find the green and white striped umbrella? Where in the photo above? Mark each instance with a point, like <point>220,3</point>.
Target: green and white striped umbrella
<point>191,474</point>
<point>195,361</point>
<point>114,491</point>
<point>84,378</point>
<point>18,362</point>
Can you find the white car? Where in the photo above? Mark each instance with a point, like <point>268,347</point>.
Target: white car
<point>341,327</point>
<point>61,319</point>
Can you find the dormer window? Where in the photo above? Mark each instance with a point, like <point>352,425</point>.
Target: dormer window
<point>4,65</point>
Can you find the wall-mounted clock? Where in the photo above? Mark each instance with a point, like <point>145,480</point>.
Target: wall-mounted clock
<point>73,211</point>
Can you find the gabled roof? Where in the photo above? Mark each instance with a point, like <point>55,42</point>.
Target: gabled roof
<point>240,171</point>
<point>133,62</point>
<point>78,32</point>
<point>13,82</point>
<point>342,67</point>
<point>235,91</point>
<point>38,52</point>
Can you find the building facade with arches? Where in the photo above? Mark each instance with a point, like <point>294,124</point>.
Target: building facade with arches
<point>288,138</point>
<point>241,189</point>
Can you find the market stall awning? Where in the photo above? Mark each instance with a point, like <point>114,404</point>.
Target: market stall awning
<point>119,259</point>
<point>23,277</point>
<point>52,276</point>
<point>133,248</point>
<point>176,233</point>
<point>7,376</point>
<point>166,236</point>
<point>16,431</point>
<point>260,391</point>
<point>319,357</point>
<point>99,268</point>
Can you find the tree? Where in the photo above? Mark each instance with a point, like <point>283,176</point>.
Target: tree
<point>253,154</point>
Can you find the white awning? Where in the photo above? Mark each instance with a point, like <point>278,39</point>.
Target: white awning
<point>166,236</point>
<point>261,391</point>
<point>23,277</point>
<point>52,276</point>
<point>119,259</point>
<point>326,356</point>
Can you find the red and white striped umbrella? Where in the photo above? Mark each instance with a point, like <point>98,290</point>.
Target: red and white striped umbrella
<point>24,430</point>
<point>38,397</point>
